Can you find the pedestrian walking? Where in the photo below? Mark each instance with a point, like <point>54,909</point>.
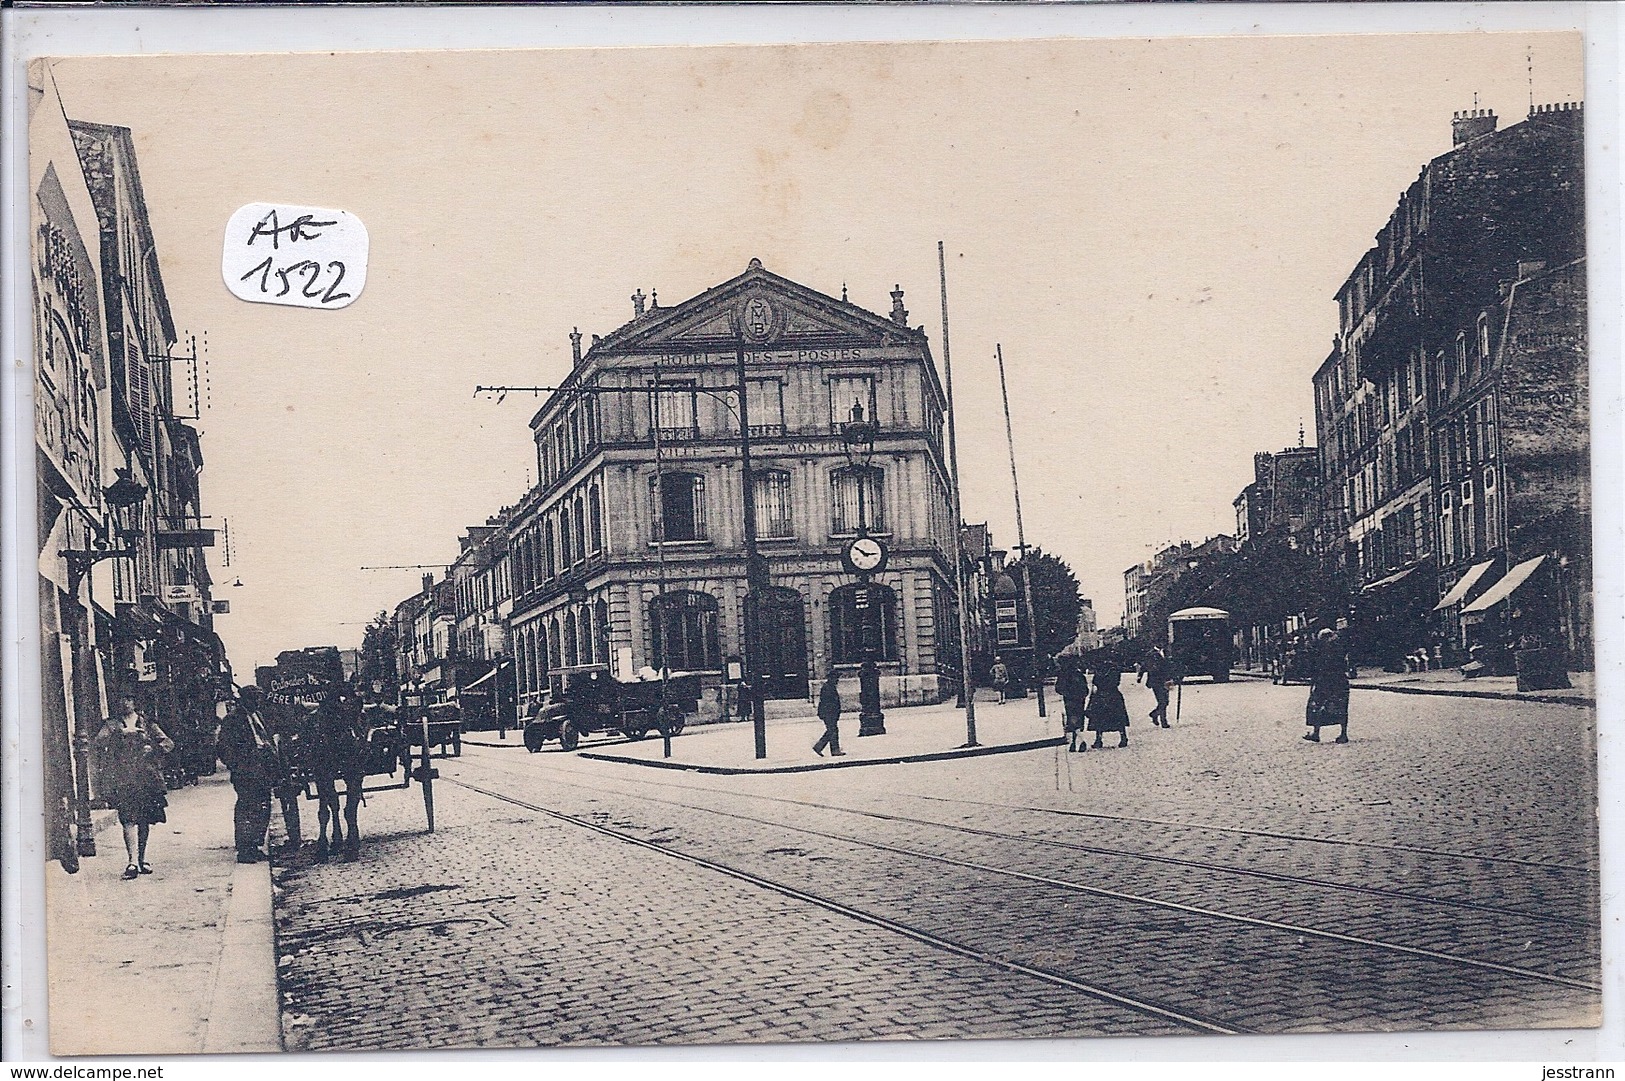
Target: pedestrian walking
<point>1001,678</point>
<point>829,711</point>
<point>132,778</point>
<point>1158,675</point>
<point>247,750</point>
<point>1073,688</point>
<point>1328,690</point>
<point>1107,711</point>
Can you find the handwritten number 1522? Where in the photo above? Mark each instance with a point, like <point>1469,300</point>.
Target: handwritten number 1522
<point>308,269</point>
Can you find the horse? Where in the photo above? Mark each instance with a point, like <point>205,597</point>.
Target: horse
<point>337,750</point>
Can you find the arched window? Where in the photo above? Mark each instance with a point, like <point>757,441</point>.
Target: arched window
<point>571,657</point>
<point>863,623</point>
<point>856,500</point>
<point>679,502</point>
<point>685,631</point>
<point>566,539</point>
<point>773,518</point>
<point>548,563</point>
<point>600,623</point>
<point>580,531</point>
<point>595,516</point>
<point>554,659</point>
<point>584,636</point>
<point>544,661</point>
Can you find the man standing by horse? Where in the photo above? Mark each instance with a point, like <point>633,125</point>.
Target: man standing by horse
<point>247,750</point>
<point>287,726</point>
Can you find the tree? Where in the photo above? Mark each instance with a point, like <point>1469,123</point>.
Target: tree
<point>378,652</point>
<point>1055,600</point>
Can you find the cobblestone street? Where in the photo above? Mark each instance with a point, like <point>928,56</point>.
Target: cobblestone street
<point>1219,876</point>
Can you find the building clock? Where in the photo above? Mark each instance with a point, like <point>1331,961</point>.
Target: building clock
<point>866,555</point>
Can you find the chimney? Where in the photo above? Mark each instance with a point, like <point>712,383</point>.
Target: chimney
<point>428,582</point>
<point>637,303</point>
<point>899,314</point>
<point>575,347</point>
<point>1470,124</point>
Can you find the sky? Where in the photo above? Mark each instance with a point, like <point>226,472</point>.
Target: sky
<point>1153,231</point>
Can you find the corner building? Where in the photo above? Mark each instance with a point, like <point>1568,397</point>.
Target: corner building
<point>630,550</point>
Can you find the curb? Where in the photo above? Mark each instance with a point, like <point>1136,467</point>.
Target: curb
<point>1500,696</point>
<point>933,756</point>
<point>1580,701</point>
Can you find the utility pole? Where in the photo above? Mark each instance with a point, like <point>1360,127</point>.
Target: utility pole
<point>1021,540</point>
<point>755,572</point>
<point>967,689</point>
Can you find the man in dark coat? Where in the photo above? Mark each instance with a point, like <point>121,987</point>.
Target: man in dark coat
<point>247,750</point>
<point>1073,687</point>
<point>1329,689</point>
<point>829,711</point>
<point>1157,675</point>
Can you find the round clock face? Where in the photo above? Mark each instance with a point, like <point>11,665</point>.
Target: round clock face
<point>866,553</point>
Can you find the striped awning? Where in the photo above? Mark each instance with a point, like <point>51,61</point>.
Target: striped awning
<point>1384,583</point>
<point>1501,590</point>
<point>1463,586</point>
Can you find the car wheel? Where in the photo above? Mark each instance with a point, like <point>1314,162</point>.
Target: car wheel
<point>569,736</point>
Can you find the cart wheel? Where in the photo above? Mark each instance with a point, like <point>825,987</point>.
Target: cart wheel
<point>636,730</point>
<point>569,736</point>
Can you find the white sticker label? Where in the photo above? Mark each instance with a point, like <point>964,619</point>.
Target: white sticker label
<point>306,256</point>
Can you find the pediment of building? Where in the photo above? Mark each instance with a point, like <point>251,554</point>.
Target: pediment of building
<point>761,310</point>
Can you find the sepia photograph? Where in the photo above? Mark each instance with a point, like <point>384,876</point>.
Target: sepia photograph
<point>814,543</point>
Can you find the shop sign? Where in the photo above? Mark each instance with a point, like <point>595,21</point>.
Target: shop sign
<point>181,594</point>
<point>145,665</point>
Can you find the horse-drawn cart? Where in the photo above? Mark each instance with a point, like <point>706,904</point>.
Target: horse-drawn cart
<point>346,749</point>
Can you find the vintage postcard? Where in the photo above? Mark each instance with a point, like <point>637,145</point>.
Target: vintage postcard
<point>764,544</point>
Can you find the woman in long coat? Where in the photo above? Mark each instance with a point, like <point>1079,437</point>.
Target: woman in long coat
<point>1329,689</point>
<point>1107,711</point>
<point>132,778</point>
<point>1073,688</point>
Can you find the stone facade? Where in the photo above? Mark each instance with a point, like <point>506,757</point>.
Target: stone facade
<point>1407,409</point>
<point>640,495</point>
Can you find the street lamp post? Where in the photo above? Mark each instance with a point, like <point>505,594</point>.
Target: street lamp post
<point>858,440</point>
<point>755,569</point>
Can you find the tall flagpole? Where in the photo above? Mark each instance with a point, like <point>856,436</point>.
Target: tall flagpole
<point>967,688</point>
<point>1034,672</point>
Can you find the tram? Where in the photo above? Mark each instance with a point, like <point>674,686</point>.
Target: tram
<point>1199,643</point>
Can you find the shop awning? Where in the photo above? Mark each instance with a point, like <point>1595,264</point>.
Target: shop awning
<point>1463,586</point>
<point>483,679</point>
<point>1384,583</point>
<point>1501,590</point>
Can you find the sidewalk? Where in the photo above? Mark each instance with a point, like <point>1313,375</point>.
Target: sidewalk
<point>913,734</point>
<point>1450,682</point>
<point>177,962</point>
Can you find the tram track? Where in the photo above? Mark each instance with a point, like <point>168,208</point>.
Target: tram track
<point>1477,857</point>
<point>1184,1018</point>
<point>1115,896</point>
<point>1148,857</point>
